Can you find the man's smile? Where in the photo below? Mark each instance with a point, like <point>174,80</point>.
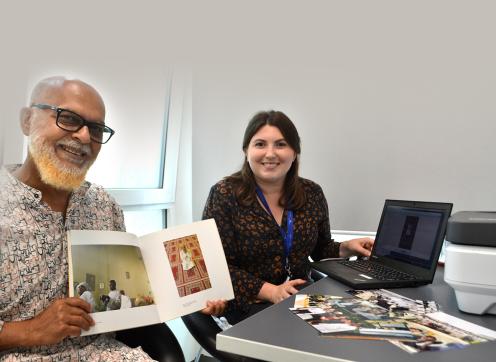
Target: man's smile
<point>74,151</point>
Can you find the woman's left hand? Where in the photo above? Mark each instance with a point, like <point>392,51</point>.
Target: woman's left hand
<point>360,247</point>
<point>215,307</point>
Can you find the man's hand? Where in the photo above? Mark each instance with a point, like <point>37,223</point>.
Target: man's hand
<point>361,247</point>
<point>63,318</point>
<point>215,307</point>
<point>277,293</point>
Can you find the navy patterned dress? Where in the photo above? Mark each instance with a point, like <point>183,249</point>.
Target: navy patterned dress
<point>253,244</point>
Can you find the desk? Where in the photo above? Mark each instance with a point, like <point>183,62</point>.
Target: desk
<point>275,334</point>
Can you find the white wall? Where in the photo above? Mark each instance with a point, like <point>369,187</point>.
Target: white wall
<point>1,143</point>
<point>181,212</point>
<point>14,97</point>
<point>390,102</point>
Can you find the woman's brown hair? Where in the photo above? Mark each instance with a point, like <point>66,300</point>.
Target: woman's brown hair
<point>293,196</point>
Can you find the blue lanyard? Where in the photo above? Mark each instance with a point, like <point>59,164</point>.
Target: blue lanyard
<point>286,235</point>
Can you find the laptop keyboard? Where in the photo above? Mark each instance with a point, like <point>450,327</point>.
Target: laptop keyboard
<point>377,271</point>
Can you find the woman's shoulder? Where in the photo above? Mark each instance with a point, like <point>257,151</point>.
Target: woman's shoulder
<point>310,186</point>
<point>314,195</point>
<point>224,187</point>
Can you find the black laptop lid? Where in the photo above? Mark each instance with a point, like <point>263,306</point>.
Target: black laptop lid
<point>411,234</point>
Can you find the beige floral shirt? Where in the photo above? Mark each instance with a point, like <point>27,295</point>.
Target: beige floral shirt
<point>34,269</point>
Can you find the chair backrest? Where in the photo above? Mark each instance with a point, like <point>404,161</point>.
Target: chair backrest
<point>156,340</point>
<point>204,329</point>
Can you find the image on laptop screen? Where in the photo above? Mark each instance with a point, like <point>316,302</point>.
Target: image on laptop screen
<point>409,235</point>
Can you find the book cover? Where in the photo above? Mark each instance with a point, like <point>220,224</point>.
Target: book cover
<point>134,281</point>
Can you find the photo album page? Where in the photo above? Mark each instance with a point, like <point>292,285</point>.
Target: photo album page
<point>132,281</point>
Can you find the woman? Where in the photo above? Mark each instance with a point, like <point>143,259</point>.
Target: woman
<point>270,219</point>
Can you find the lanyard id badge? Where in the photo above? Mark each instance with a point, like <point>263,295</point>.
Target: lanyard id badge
<point>287,235</point>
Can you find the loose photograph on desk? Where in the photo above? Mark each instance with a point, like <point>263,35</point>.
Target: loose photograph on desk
<point>338,317</point>
<point>434,335</point>
<point>414,326</point>
<point>398,305</point>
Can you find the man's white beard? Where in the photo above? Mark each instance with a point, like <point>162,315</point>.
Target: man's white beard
<point>52,171</point>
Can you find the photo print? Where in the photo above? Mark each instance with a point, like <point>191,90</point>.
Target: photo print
<point>188,265</point>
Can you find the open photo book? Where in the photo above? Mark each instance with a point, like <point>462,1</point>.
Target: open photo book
<point>132,281</point>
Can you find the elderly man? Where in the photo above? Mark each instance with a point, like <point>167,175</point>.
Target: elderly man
<point>39,201</point>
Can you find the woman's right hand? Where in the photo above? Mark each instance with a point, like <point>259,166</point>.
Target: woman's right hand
<point>215,307</point>
<point>277,293</point>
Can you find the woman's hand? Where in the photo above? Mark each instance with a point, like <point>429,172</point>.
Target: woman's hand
<point>215,307</point>
<point>360,247</point>
<point>277,293</point>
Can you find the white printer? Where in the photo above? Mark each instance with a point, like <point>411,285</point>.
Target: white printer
<point>470,265</point>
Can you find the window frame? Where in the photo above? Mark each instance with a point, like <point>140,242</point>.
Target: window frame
<point>163,197</point>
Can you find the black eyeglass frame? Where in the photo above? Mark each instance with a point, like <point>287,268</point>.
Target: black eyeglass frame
<point>90,125</point>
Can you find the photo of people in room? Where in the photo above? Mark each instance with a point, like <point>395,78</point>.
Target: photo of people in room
<point>110,277</point>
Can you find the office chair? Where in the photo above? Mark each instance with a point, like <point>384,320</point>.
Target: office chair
<point>204,329</point>
<point>316,275</point>
<point>157,340</point>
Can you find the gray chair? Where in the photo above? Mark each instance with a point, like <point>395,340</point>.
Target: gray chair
<point>204,329</point>
<point>157,340</point>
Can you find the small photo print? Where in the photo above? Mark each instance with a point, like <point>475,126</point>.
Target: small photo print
<point>187,264</point>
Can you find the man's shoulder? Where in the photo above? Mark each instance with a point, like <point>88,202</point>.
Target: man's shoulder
<point>97,192</point>
<point>4,178</point>
<point>94,197</point>
<point>6,173</point>
<point>14,193</point>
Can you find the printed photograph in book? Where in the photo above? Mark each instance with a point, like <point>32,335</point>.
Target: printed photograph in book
<point>187,265</point>
<point>110,277</point>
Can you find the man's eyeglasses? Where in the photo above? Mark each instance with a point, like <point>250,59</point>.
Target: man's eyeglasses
<point>73,122</point>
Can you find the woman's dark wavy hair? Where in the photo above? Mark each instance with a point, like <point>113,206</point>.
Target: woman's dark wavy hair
<point>293,196</point>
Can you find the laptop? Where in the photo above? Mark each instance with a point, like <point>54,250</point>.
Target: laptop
<point>405,252</point>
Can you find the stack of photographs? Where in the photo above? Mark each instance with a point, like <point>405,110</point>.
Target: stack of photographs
<point>412,325</point>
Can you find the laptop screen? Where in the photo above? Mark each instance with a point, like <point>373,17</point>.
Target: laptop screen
<point>409,235</point>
